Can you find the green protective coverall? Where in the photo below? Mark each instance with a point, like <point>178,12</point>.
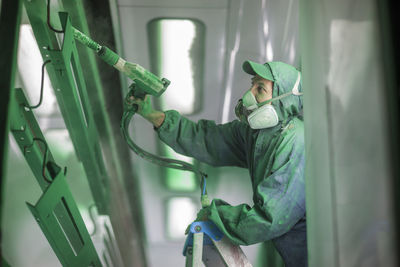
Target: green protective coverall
<point>274,157</point>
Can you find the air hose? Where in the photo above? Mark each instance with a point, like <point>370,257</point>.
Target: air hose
<point>129,112</point>
<point>144,82</point>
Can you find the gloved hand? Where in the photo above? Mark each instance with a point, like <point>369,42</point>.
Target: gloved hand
<point>144,107</point>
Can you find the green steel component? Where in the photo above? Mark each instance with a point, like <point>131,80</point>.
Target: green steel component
<point>74,104</point>
<point>25,130</point>
<point>67,79</point>
<point>115,152</point>
<point>117,166</point>
<point>76,250</point>
<point>10,17</point>
<point>24,127</point>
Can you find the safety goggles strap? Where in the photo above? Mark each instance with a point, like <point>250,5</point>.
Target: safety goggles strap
<point>295,91</point>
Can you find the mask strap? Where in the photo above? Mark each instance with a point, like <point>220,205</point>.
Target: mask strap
<point>295,91</point>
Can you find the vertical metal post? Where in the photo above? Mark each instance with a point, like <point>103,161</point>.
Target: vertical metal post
<point>73,248</point>
<point>70,89</point>
<point>10,18</point>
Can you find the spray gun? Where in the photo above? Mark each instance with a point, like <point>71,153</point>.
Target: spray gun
<point>145,82</point>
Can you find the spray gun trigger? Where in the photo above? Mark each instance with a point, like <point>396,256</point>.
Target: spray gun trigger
<point>129,99</point>
<point>136,91</point>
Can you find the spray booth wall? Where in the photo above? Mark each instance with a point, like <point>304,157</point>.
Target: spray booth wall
<point>349,181</point>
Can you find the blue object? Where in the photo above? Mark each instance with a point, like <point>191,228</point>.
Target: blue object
<point>209,229</point>
<point>204,186</point>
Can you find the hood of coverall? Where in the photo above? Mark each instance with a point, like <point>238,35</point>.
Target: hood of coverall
<point>285,77</point>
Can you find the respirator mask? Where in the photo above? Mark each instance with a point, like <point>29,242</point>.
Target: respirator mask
<point>261,115</point>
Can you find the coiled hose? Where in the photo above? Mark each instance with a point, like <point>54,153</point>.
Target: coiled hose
<point>129,111</point>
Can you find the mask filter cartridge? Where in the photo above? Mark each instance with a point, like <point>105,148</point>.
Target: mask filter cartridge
<point>263,117</point>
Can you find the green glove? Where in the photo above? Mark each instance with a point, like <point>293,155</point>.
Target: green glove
<point>202,215</point>
<point>144,107</point>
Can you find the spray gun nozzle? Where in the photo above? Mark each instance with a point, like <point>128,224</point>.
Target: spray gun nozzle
<point>165,82</point>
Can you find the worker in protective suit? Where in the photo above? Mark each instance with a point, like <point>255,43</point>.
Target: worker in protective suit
<point>268,140</point>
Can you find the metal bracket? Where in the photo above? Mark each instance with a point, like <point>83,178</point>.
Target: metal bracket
<point>73,99</point>
<point>25,130</point>
<point>70,90</point>
<point>72,248</point>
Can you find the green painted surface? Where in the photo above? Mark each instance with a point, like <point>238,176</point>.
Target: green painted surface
<point>103,88</point>
<point>10,18</point>
<point>47,43</point>
<point>73,98</point>
<point>72,250</point>
<point>70,88</point>
<point>24,127</point>
<point>25,130</point>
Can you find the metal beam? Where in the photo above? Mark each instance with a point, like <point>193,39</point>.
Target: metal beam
<point>24,127</point>
<point>71,250</point>
<point>70,89</point>
<point>10,18</point>
<point>106,106</point>
<point>33,146</point>
<point>92,18</point>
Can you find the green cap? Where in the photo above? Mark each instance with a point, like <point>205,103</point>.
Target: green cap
<point>254,68</point>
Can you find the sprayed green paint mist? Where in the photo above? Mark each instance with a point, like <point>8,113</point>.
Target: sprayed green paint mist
<point>85,40</point>
<point>146,81</point>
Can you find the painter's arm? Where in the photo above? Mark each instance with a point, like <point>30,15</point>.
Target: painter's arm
<point>146,110</point>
